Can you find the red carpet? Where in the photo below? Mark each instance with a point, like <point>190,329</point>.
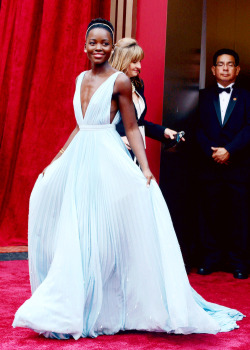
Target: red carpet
<point>219,287</point>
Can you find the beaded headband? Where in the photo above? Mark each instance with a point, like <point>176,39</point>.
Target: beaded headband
<point>103,24</point>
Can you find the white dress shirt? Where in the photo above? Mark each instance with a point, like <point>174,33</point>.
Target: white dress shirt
<point>224,100</point>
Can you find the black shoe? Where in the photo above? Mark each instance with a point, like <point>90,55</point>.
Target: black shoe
<point>204,270</point>
<point>241,275</point>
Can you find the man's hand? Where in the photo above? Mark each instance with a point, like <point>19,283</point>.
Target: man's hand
<point>220,155</point>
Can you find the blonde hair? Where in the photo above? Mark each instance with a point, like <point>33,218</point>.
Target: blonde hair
<point>126,51</point>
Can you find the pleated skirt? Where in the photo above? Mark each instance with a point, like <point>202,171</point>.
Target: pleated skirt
<point>103,254</point>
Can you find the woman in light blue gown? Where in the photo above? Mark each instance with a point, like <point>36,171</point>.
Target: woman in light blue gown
<point>103,255</point>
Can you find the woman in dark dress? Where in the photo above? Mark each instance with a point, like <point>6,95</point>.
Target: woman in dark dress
<point>127,57</point>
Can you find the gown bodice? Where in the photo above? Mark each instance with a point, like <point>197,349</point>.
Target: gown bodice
<point>96,113</point>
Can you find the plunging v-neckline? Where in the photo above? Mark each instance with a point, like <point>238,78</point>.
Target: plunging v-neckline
<point>83,117</point>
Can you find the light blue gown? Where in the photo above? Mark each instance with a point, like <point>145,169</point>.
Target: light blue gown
<point>103,254</point>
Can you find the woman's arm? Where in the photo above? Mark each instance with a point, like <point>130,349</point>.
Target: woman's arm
<point>124,89</point>
<point>72,135</point>
<point>153,130</point>
<point>158,132</point>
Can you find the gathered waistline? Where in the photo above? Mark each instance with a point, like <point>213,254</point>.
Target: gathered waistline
<point>96,127</point>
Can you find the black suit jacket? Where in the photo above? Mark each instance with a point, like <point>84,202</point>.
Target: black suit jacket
<point>233,134</point>
<point>154,131</point>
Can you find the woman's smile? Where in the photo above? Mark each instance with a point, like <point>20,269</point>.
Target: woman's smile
<point>99,45</point>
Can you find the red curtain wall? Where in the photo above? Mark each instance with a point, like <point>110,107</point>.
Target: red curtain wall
<point>151,24</point>
<point>41,48</point>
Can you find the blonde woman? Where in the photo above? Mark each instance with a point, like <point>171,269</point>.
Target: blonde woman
<point>127,57</point>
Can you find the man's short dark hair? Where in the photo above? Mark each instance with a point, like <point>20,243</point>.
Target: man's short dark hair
<point>226,52</point>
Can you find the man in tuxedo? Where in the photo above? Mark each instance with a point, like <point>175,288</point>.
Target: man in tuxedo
<point>223,137</point>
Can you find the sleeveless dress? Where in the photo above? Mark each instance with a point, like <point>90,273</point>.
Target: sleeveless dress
<point>103,254</point>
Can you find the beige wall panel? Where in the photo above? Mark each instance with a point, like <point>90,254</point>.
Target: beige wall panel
<point>113,12</point>
<point>120,18</point>
<point>123,17</point>
<point>228,26</point>
<point>129,18</point>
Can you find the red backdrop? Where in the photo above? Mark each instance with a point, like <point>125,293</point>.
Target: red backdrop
<point>151,35</point>
<point>41,54</point>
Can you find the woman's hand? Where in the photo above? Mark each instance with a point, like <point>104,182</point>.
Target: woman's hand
<point>148,175</point>
<point>125,140</point>
<point>169,133</point>
<point>45,169</point>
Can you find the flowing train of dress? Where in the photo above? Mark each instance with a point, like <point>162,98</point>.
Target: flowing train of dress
<point>103,254</point>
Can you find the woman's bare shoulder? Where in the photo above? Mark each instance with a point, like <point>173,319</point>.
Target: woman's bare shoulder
<point>81,74</point>
<point>123,83</point>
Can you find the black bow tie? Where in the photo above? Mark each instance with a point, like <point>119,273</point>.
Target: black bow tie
<point>220,90</point>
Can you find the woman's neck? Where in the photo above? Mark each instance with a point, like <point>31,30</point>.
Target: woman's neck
<point>100,68</point>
